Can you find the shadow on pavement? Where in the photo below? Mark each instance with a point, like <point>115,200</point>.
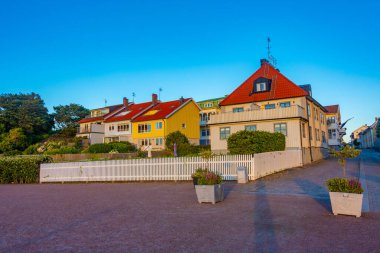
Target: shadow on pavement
<point>316,192</point>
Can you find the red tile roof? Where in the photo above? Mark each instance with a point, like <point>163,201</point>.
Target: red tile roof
<point>281,87</point>
<point>163,110</point>
<point>112,109</point>
<point>133,109</point>
<point>332,108</point>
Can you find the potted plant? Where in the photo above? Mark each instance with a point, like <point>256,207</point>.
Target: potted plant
<point>210,188</point>
<point>346,196</point>
<point>197,174</point>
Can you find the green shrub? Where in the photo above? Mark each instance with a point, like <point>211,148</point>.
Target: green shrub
<point>179,139</point>
<point>62,150</point>
<point>344,185</point>
<point>99,148</point>
<point>252,142</point>
<point>31,150</point>
<point>123,147</point>
<point>21,169</point>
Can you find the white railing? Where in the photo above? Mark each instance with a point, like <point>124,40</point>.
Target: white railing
<point>92,128</point>
<point>151,169</point>
<point>258,114</point>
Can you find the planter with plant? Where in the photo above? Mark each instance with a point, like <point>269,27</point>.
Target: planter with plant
<point>197,174</point>
<point>346,195</point>
<point>210,188</point>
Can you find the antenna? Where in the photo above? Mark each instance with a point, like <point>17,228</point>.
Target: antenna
<point>105,102</point>
<point>271,58</point>
<point>133,95</point>
<point>159,93</point>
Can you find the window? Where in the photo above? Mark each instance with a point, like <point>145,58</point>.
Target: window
<point>145,142</point>
<point>285,104</point>
<point>317,134</point>
<point>281,128</point>
<point>308,110</point>
<point>270,106</point>
<point>111,127</point>
<point>144,128</point>
<point>330,120</point>
<point>224,133</point>
<point>123,128</point>
<point>323,137</point>
<point>261,87</point>
<point>205,132</point>
<point>159,141</point>
<point>250,128</point>
<point>238,109</point>
<point>158,125</point>
<point>321,117</point>
<point>310,133</point>
<point>303,130</point>
<point>183,125</point>
<point>261,84</point>
<point>332,134</point>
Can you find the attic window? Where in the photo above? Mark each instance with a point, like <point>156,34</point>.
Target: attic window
<point>261,84</point>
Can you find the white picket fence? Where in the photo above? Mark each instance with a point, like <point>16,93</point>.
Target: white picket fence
<point>151,169</point>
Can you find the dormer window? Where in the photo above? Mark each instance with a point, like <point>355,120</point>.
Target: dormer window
<point>261,84</point>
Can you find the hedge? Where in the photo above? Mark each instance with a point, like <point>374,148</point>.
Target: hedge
<point>121,147</point>
<point>21,170</point>
<point>252,142</point>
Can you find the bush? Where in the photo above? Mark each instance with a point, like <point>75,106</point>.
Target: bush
<point>253,142</point>
<point>121,147</point>
<point>31,150</point>
<point>21,169</point>
<point>209,178</point>
<point>62,150</point>
<point>344,185</point>
<point>179,138</point>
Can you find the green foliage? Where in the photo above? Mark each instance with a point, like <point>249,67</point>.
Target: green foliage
<point>199,172</point>
<point>21,169</point>
<point>356,143</point>
<point>62,150</point>
<point>252,142</point>
<point>69,115</point>
<point>121,147</point>
<point>347,152</point>
<point>344,185</point>
<point>26,111</point>
<point>209,178</point>
<point>32,149</point>
<point>14,140</point>
<point>179,138</point>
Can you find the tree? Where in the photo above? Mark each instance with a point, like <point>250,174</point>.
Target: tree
<point>69,115</point>
<point>252,142</point>
<point>176,137</point>
<point>14,140</point>
<point>345,153</point>
<point>26,111</point>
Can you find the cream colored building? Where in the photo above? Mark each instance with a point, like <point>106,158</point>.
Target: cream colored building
<point>268,101</point>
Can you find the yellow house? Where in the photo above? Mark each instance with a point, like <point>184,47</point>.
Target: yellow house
<point>152,127</point>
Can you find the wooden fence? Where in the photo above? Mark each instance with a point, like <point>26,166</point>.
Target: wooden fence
<point>150,169</point>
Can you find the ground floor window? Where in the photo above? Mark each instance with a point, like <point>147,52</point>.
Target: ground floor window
<point>332,134</point>
<point>205,132</point>
<point>205,142</point>
<point>224,133</point>
<point>145,142</point>
<point>159,141</point>
<point>281,128</point>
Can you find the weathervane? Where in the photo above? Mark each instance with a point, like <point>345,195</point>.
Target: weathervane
<point>133,95</point>
<point>271,58</point>
<point>105,102</point>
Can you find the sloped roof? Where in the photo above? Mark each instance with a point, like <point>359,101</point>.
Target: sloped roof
<point>130,112</point>
<point>281,88</point>
<point>332,108</point>
<point>162,110</point>
<point>112,109</point>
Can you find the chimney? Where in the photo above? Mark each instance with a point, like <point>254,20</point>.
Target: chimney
<point>263,61</point>
<point>154,99</point>
<point>181,99</point>
<point>125,101</point>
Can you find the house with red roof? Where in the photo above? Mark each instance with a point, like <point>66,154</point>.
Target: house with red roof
<point>92,127</point>
<point>269,101</point>
<point>151,128</point>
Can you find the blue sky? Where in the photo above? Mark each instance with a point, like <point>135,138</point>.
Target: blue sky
<point>86,51</point>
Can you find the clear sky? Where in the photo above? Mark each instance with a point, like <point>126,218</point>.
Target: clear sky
<point>85,51</point>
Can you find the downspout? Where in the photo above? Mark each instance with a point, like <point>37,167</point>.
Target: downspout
<point>301,140</point>
<point>311,153</point>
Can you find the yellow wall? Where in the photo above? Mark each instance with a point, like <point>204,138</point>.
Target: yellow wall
<point>188,115</point>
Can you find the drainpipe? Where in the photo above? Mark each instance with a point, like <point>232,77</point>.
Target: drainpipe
<point>301,140</point>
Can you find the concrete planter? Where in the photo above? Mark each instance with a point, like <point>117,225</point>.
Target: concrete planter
<point>346,203</point>
<point>210,193</point>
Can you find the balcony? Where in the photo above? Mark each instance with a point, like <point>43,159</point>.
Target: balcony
<point>295,111</point>
<point>91,128</point>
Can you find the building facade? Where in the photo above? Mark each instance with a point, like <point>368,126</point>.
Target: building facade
<point>268,101</point>
<point>334,132</point>
<point>208,107</point>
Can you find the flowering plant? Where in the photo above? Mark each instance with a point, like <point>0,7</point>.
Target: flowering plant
<point>209,178</point>
<point>199,172</point>
<point>344,185</point>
